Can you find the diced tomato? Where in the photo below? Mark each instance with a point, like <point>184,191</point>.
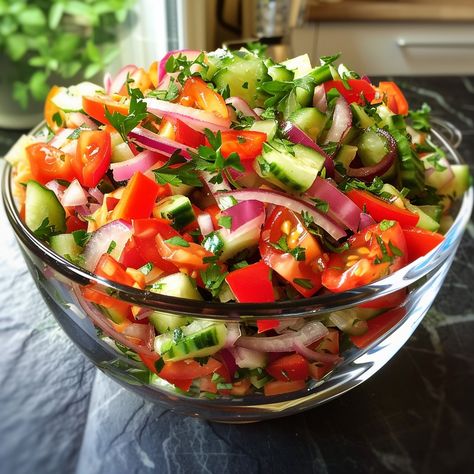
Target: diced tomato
<point>189,258</point>
<point>73,223</point>
<point>420,241</point>
<point>188,136</point>
<point>290,367</point>
<point>48,163</point>
<point>359,91</point>
<point>379,326</point>
<point>260,289</point>
<point>394,97</point>
<point>241,387</point>
<point>92,159</point>
<point>196,93</point>
<point>279,387</point>
<point>247,144</point>
<point>93,295</point>
<point>96,105</point>
<point>388,301</point>
<point>373,253</point>
<point>108,267</point>
<point>52,110</point>
<point>380,209</point>
<point>188,369</point>
<point>267,324</point>
<point>131,256</point>
<point>138,199</point>
<point>302,264</point>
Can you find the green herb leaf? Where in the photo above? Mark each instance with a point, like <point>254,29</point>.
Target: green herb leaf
<point>147,268</point>
<point>303,282</point>
<point>213,278</point>
<point>386,224</point>
<point>159,364</point>
<point>45,230</point>
<point>225,221</point>
<point>112,245</point>
<point>177,240</point>
<point>175,175</point>
<point>81,237</point>
<point>321,205</point>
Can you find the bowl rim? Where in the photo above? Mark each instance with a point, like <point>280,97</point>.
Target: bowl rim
<point>240,311</point>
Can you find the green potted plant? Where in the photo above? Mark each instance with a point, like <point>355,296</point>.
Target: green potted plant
<point>46,42</point>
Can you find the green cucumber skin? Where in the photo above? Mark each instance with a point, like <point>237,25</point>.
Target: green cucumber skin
<point>64,245</point>
<point>40,204</point>
<point>177,208</point>
<point>310,120</point>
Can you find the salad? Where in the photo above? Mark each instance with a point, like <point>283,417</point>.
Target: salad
<point>224,176</point>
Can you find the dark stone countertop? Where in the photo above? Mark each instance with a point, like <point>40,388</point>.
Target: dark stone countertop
<point>416,415</point>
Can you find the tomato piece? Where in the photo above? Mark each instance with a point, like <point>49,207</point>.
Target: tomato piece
<point>378,326</point>
<point>267,324</point>
<point>420,241</point>
<point>138,198</point>
<point>247,144</point>
<point>359,91</point>
<point>388,301</point>
<point>252,284</point>
<point>301,264</point>
<point>139,79</point>
<point>95,106</point>
<point>95,296</point>
<point>52,110</point>
<point>188,369</point>
<point>380,209</point>
<point>108,267</point>
<point>189,258</point>
<point>73,223</point>
<point>373,253</point>
<point>144,234</point>
<point>92,159</point>
<point>153,73</point>
<point>47,163</point>
<point>289,367</point>
<point>131,256</point>
<point>241,388</point>
<point>188,136</point>
<point>394,97</point>
<point>279,387</point>
<point>196,93</point>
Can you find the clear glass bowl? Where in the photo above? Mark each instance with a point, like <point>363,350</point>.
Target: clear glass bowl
<point>59,282</point>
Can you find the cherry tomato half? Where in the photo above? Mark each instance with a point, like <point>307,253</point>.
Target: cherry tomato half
<point>247,144</point>
<point>47,163</point>
<point>373,253</point>
<point>196,93</point>
<point>287,247</point>
<point>95,106</point>
<point>359,90</point>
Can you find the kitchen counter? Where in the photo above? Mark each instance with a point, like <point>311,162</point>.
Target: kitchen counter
<point>395,10</point>
<point>416,415</point>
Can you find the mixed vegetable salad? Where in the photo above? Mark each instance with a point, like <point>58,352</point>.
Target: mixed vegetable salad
<point>224,176</point>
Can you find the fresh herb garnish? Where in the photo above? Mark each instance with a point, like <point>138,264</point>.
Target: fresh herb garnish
<point>386,224</point>
<point>239,265</point>
<point>213,243</point>
<point>303,282</point>
<point>421,118</point>
<point>45,230</point>
<point>282,245</point>
<point>81,237</point>
<point>257,48</point>
<point>321,205</point>
<point>57,119</point>
<point>177,240</point>
<point>213,278</point>
<point>186,68</point>
<point>225,221</point>
<point>112,245</point>
<point>159,364</point>
<point>146,269</point>
<point>175,175</point>
<point>169,94</point>
<point>395,250</point>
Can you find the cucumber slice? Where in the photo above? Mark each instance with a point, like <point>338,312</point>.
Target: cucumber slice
<point>65,245</point>
<point>266,126</point>
<point>344,156</point>
<point>42,207</point>
<point>424,221</point>
<point>177,208</point>
<point>434,211</point>
<point>459,184</point>
<point>278,72</point>
<point>293,170</point>
<point>310,120</point>
<point>199,339</point>
<point>70,99</point>
<point>181,286</point>
<point>372,149</point>
<point>360,116</point>
<point>121,152</point>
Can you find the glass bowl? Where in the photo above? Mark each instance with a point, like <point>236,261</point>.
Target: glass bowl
<point>59,282</point>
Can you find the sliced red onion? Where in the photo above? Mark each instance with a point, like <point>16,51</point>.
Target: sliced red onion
<point>241,106</point>
<point>124,170</point>
<point>341,121</point>
<point>341,208</point>
<point>294,204</point>
<point>437,178</point>
<point>311,332</point>
<point>144,332</point>
<point>323,357</point>
<point>366,220</point>
<point>117,231</point>
<point>109,328</point>
<point>195,118</point>
<point>107,82</point>
<point>120,78</point>
<point>78,119</point>
<point>368,173</point>
<point>96,194</point>
<point>74,195</point>
<point>58,189</point>
<point>154,142</point>
<point>228,360</point>
<point>233,333</point>
<point>61,137</point>
<point>244,212</point>
<point>259,111</point>
<point>319,98</point>
<point>248,358</point>
<point>190,55</point>
<point>296,135</point>
<point>204,221</point>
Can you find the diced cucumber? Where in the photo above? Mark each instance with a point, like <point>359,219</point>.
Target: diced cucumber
<point>459,184</point>
<point>293,170</point>
<point>181,286</point>
<point>70,99</point>
<point>43,207</point>
<point>301,66</point>
<point>345,156</point>
<point>360,116</point>
<point>372,149</point>
<point>65,245</point>
<point>177,208</point>
<point>243,74</point>
<point>117,316</point>
<point>439,173</point>
<point>121,152</point>
<point>424,221</point>
<point>199,339</point>
<point>278,72</point>
<point>321,74</point>
<point>310,120</point>
<point>434,211</point>
<point>269,127</point>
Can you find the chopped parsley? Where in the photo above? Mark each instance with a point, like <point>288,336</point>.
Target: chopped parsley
<point>420,119</point>
<point>177,240</point>
<point>169,94</point>
<point>386,224</point>
<point>81,237</point>
<point>213,278</point>
<point>321,205</point>
<point>185,67</point>
<point>171,173</point>
<point>303,282</point>
<point>146,269</point>
<point>112,245</point>
<point>57,119</point>
<point>225,221</point>
<point>45,230</point>
<point>159,364</point>
<point>282,245</point>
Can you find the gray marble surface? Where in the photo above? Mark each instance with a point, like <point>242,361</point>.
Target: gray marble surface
<point>58,414</point>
